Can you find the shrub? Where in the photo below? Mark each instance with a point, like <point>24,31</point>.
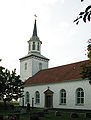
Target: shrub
<point>88,115</point>
<point>74,115</point>
<point>34,117</point>
<point>58,113</point>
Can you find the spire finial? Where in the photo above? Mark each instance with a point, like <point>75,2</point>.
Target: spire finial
<point>35,16</point>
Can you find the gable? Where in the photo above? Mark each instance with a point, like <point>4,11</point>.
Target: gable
<point>57,74</point>
<point>48,92</point>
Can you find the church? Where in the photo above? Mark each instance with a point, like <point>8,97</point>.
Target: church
<point>59,87</point>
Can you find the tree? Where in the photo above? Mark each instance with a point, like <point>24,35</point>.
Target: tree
<point>11,87</point>
<point>86,68</point>
<point>89,49</point>
<point>84,15</point>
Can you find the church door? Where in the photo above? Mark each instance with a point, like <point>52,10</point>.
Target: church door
<point>48,101</point>
<point>48,98</point>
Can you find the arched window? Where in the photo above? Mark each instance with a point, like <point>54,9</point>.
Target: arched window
<point>27,97</point>
<point>33,46</point>
<point>40,66</point>
<point>38,46</point>
<point>62,96</point>
<point>25,66</point>
<point>37,97</point>
<point>79,96</point>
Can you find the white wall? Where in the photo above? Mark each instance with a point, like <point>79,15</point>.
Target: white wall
<point>70,88</point>
<point>35,64</point>
<point>25,74</point>
<point>32,66</point>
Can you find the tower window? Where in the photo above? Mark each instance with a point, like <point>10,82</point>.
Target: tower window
<point>33,46</point>
<point>38,46</point>
<point>25,66</point>
<point>29,47</point>
<point>40,66</point>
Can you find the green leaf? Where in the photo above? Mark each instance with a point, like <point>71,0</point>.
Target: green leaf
<point>77,22</point>
<point>81,13</point>
<point>84,18</point>
<point>86,10</point>
<point>89,17</point>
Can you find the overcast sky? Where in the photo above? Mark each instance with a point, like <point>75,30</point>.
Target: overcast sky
<point>63,42</point>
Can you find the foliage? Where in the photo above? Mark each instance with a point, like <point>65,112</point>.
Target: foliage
<point>66,114</point>
<point>11,87</point>
<point>86,71</point>
<point>89,49</point>
<point>86,68</point>
<point>86,15</point>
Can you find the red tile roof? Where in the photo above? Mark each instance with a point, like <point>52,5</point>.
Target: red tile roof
<point>57,74</point>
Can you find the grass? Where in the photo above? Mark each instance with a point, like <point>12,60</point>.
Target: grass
<point>65,115</point>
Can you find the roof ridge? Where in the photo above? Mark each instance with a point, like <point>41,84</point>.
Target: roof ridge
<point>68,64</point>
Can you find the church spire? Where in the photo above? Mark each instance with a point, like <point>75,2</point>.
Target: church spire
<point>35,28</point>
<point>34,42</point>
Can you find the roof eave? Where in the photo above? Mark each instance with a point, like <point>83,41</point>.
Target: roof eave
<point>72,80</point>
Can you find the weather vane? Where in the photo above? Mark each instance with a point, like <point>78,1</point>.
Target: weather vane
<point>35,16</point>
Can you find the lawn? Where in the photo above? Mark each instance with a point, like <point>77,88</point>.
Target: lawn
<point>49,115</point>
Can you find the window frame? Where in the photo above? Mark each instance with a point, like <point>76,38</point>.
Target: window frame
<point>37,97</point>
<point>38,46</point>
<point>27,97</point>
<point>33,46</point>
<point>62,97</point>
<point>79,96</point>
<point>25,66</point>
<point>40,66</point>
<point>29,46</point>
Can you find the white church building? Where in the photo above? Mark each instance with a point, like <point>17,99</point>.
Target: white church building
<point>59,87</point>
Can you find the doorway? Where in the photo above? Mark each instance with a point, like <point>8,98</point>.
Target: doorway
<point>48,98</point>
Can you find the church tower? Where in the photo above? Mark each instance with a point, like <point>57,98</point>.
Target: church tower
<point>34,43</point>
<point>33,62</point>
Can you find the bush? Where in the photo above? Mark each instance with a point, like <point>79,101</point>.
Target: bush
<point>88,115</point>
<point>58,113</point>
<point>34,117</point>
<point>74,115</point>
<point>1,117</point>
